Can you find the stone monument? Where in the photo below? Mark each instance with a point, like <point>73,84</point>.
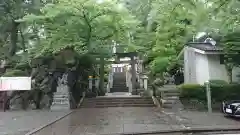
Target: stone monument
<point>61,98</point>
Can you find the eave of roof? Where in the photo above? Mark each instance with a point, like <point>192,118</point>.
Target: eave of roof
<point>207,47</point>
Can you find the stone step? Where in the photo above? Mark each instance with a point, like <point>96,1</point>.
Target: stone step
<point>119,85</point>
<point>60,95</point>
<point>117,88</point>
<point>99,98</point>
<point>106,105</point>
<point>118,102</point>
<point>171,98</point>
<point>119,105</point>
<point>120,90</point>
<point>60,107</point>
<point>118,99</point>
<point>119,81</point>
<point>60,99</point>
<point>171,103</point>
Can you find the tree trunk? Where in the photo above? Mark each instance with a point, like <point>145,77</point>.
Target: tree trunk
<point>229,69</point>
<point>14,38</point>
<point>101,86</point>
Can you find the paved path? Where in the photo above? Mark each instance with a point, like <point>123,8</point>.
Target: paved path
<point>195,119</point>
<point>21,122</point>
<point>97,121</point>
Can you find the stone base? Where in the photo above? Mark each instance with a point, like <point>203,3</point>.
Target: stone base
<point>60,101</point>
<point>134,92</point>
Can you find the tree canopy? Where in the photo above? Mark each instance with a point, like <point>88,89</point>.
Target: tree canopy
<point>169,24</point>
<point>158,29</point>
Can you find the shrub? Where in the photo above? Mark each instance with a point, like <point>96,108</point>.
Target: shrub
<point>14,73</point>
<point>192,91</point>
<point>219,92</point>
<point>217,82</point>
<point>147,93</point>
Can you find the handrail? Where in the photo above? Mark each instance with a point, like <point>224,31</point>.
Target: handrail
<point>129,81</point>
<point>111,78</point>
<point>81,100</point>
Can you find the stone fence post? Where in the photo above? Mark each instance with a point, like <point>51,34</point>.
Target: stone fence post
<point>145,82</point>
<point>90,84</point>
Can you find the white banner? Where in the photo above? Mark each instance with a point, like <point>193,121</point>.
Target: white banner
<point>15,83</point>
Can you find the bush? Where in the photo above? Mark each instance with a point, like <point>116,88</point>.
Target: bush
<point>14,73</point>
<point>219,92</point>
<point>192,91</point>
<point>217,82</point>
<point>147,93</point>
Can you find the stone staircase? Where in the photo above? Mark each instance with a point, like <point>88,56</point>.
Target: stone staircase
<point>119,82</point>
<point>170,97</point>
<point>61,99</point>
<point>104,102</point>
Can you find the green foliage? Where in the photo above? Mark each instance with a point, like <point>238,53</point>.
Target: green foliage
<point>168,25</point>
<point>217,82</point>
<point>159,64</point>
<point>22,65</point>
<point>219,93</point>
<point>147,93</point>
<point>231,44</point>
<point>15,73</point>
<point>192,91</point>
<point>88,26</point>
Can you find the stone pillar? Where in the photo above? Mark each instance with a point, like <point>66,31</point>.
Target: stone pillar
<point>126,73</point>
<point>90,85</point>
<point>97,82</point>
<point>145,82</point>
<point>133,73</point>
<point>141,83</point>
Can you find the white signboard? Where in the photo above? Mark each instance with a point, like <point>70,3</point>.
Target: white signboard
<point>15,83</point>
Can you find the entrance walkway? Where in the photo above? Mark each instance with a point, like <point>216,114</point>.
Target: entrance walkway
<point>97,121</point>
<point>127,120</point>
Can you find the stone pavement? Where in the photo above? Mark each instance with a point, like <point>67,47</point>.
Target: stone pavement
<point>117,120</point>
<point>21,122</point>
<point>195,119</point>
<point>97,121</point>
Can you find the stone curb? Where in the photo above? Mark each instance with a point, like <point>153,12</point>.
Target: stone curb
<point>189,130</point>
<point>156,102</point>
<point>48,124</point>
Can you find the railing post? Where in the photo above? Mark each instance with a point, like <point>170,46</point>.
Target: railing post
<point>208,94</point>
<point>129,82</point>
<point>90,85</point>
<point>145,82</point>
<point>111,79</point>
<point>109,85</point>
